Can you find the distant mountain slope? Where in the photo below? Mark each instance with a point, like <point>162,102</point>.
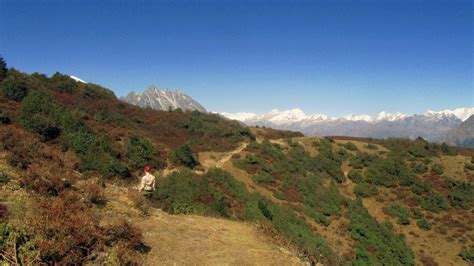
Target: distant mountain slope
<point>163,100</point>
<point>430,125</point>
<point>462,135</point>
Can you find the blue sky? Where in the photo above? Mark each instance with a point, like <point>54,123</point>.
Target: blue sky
<point>332,57</point>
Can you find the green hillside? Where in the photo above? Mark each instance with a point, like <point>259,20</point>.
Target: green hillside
<point>71,153</point>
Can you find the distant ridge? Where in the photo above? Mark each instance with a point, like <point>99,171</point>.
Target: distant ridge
<point>163,100</point>
<point>462,135</point>
<point>431,125</point>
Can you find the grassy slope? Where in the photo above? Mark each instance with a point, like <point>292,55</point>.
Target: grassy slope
<point>452,228</point>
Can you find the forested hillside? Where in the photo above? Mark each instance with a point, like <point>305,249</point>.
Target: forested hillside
<point>71,152</point>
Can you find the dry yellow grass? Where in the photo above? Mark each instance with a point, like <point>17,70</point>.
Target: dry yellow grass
<point>198,240</point>
<point>423,243</point>
<point>307,143</point>
<point>454,166</point>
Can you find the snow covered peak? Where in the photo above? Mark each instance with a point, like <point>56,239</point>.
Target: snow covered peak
<point>292,115</point>
<point>242,116</point>
<point>77,79</point>
<point>351,117</point>
<point>165,100</point>
<point>297,115</point>
<point>461,113</point>
<point>384,116</point>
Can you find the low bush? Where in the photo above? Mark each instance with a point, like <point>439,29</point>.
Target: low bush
<point>318,217</point>
<point>141,152</point>
<point>437,169</point>
<point>350,146</point>
<point>4,119</point>
<point>14,86</point>
<point>18,245</point>
<point>277,194</point>
<point>420,168</point>
<point>365,190</point>
<point>356,176</point>
<point>371,146</point>
<point>184,156</point>
<point>263,177</point>
<point>467,254</point>
<point>93,193</point>
<point>423,224</point>
<point>469,166</point>
<point>418,186</point>
<point>400,213</point>
<point>433,202</point>
<point>4,177</point>
<point>299,232</point>
<point>384,245</point>
<point>213,125</point>
<point>417,214</point>
<point>23,149</point>
<point>461,194</point>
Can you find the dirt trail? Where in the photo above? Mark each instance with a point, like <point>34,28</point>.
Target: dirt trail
<point>229,156</point>
<point>198,240</point>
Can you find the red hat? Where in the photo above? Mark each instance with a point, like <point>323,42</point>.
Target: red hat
<point>146,168</point>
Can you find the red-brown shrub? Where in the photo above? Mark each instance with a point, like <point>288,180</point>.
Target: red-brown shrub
<point>69,230</point>
<point>3,213</point>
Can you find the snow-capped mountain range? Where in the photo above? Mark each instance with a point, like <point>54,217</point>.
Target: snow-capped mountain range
<point>163,100</point>
<point>297,115</point>
<point>432,125</point>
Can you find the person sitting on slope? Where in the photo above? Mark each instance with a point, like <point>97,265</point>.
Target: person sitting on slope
<point>147,183</point>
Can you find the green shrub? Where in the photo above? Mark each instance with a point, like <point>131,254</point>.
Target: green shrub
<point>469,166</point>
<point>467,254</point>
<point>350,146</point>
<point>14,86</point>
<point>420,168</point>
<point>318,217</point>
<point>4,177</point>
<point>41,115</point>
<point>326,200</point>
<point>371,146</point>
<point>461,194</point>
<point>400,213</point>
<point>365,190</point>
<point>387,247</point>
<point>3,68</point>
<point>41,125</point>
<point>141,152</point>
<point>184,156</point>
<point>277,194</point>
<point>437,169</point>
<point>213,125</point>
<point>419,148</point>
<point>263,177</point>
<point>63,83</point>
<point>356,176</point>
<point>418,186</point>
<point>417,214</point>
<point>18,241</point>
<point>387,172</point>
<point>423,224</point>
<point>433,202</point>
<point>299,232</point>
<point>101,117</point>
<point>184,192</point>
<point>4,119</point>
